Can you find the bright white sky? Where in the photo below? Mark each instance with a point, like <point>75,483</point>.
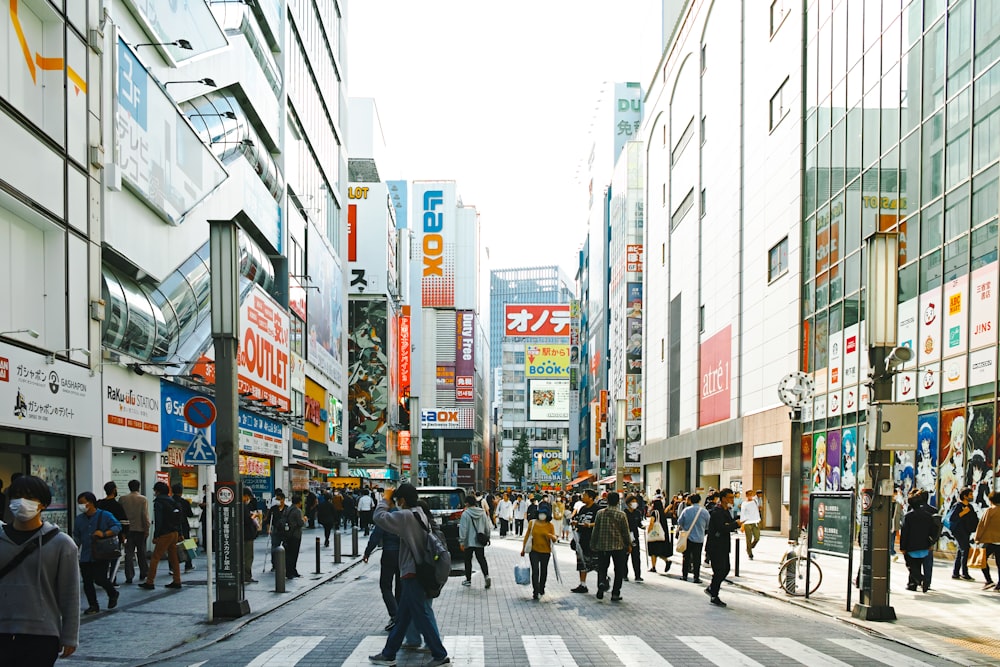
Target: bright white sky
<point>500,98</point>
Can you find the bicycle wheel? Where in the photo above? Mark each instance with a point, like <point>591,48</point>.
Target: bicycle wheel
<point>792,576</point>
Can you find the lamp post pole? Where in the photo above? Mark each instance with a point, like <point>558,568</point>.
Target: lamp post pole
<point>621,405</point>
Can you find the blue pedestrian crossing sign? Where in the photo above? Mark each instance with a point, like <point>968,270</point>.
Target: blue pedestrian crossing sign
<point>199,452</point>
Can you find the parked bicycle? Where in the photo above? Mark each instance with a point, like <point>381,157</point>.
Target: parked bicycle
<point>792,573</point>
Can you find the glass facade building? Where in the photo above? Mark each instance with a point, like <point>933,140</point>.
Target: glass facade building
<point>902,133</point>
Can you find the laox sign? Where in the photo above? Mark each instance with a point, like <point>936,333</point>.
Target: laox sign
<point>441,416</point>
<point>433,241</point>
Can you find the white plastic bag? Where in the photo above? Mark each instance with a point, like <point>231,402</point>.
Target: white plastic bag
<point>522,572</point>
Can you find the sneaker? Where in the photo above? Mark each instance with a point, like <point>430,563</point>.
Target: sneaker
<point>652,569</point>
<point>625,578</point>
<point>988,585</point>
<point>489,582</point>
<point>967,577</point>
<point>717,602</point>
<point>380,659</point>
<point>90,611</point>
<point>579,589</point>
<point>684,577</point>
<point>188,568</point>
<point>534,596</point>
<point>128,581</point>
<point>750,556</point>
<point>173,585</point>
<point>697,581</point>
<point>639,580</point>
<point>955,576</point>
<point>600,593</point>
<point>113,600</point>
<point>436,662</point>
<point>467,582</point>
<point>616,598</point>
<point>148,587</point>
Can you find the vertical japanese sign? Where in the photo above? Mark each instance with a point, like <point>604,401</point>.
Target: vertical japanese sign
<point>465,355</point>
<point>983,307</point>
<point>956,316</point>
<point>228,560</point>
<point>403,346</point>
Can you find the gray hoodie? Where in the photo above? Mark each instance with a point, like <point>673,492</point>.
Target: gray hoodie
<point>411,527</point>
<point>41,596</point>
<point>474,520</point>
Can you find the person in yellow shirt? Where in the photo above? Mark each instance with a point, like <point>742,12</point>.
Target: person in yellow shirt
<point>542,534</point>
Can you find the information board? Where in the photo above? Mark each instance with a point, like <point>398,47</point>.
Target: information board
<point>831,523</point>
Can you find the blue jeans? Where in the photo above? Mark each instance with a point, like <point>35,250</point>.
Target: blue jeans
<point>414,606</point>
<point>412,634</point>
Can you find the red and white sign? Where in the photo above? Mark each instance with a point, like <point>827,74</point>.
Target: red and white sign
<point>404,352</point>
<point>537,319</point>
<point>404,442</point>
<point>633,258</point>
<point>716,361</point>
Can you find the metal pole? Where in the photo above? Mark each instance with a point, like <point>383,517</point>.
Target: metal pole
<point>795,476</point>
<point>317,557</point>
<point>808,563</point>
<point>209,555</point>
<point>336,547</point>
<point>354,541</point>
<point>736,570</point>
<point>279,569</point>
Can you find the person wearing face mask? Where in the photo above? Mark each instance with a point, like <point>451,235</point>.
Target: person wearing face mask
<point>721,524</point>
<point>634,516</point>
<point>277,523</point>
<point>542,534</point>
<point>92,524</point>
<point>474,530</point>
<point>39,581</point>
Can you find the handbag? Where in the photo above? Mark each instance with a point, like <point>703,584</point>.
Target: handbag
<point>977,558</point>
<point>527,545</point>
<point>681,545</point>
<point>105,548</point>
<point>191,547</point>
<point>656,533</point>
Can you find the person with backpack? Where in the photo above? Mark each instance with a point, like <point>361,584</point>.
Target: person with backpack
<point>919,533</point>
<point>474,530</point>
<point>186,512</point>
<point>410,524</point>
<point>166,529</point>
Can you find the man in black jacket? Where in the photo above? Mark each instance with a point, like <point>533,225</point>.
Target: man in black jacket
<point>166,527</point>
<point>184,505</point>
<point>918,535</point>
<point>721,524</point>
<point>249,535</point>
<point>110,504</point>
<point>963,521</point>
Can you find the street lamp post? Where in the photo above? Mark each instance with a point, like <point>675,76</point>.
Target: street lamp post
<point>621,405</point>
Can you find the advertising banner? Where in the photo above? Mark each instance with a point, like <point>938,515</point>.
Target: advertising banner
<point>716,356</point>
<point>435,203</point>
<point>925,468</point>
<point>548,400</point>
<point>546,361</point>
<point>536,320</point>
<point>325,306</point>
<point>260,435</point>
<point>546,464</point>
<point>929,345</point>
<point>928,381</point>
<point>633,346</point>
<point>633,443</point>
<point>906,331</point>
<point>368,394</point>
<point>956,316</point>
<point>131,410</point>
<point>628,115</point>
<point>314,411</point>
<point>263,355</point>
<point>983,306</point>
<point>404,353</point>
<point>161,157</point>
<point>447,418</point>
<point>400,202</point>
<point>849,451</point>
<point>465,355</point>
<point>851,354</point>
<point>831,523</point>
<point>173,426</point>
<point>38,396</point>
<point>953,373</point>
<point>982,366</point>
<point>300,444</point>
<point>633,394</point>
<point>444,376</point>
<point>835,360</point>
<point>256,474</point>
<point>633,258</point>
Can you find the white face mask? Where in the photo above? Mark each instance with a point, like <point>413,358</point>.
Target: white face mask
<point>82,507</point>
<point>543,516</point>
<point>25,510</point>
<point>633,505</point>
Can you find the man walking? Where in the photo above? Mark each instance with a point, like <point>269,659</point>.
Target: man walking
<point>750,515</point>
<point>611,541</point>
<point>366,508</point>
<point>694,519</point>
<point>583,525</point>
<point>277,523</point>
<point>166,527</point>
<point>720,525</point>
<point>136,508</point>
<point>249,535</point>
<point>410,524</point>
<point>519,510</point>
<point>109,503</point>
<point>388,580</point>
<point>184,505</point>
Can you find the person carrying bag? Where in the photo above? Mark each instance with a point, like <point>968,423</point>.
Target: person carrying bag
<point>657,541</point>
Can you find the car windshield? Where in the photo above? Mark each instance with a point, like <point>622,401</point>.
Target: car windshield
<point>443,500</point>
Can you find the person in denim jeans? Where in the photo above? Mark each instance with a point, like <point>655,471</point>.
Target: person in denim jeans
<point>694,519</point>
<point>963,521</point>
<point>917,538</point>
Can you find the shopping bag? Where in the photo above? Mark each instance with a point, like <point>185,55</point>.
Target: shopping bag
<point>977,558</point>
<point>682,541</point>
<point>656,534</point>
<point>191,546</point>
<point>522,573</point>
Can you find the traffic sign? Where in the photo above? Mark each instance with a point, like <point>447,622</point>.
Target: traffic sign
<point>199,412</point>
<point>199,452</point>
<point>466,459</point>
<point>475,458</point>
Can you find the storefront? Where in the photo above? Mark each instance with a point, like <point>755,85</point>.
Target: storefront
<point>131,411</point>
<point>48,421</point>
<point>262,448</point>
<point>175,436</point>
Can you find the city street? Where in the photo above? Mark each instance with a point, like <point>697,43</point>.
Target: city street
<point>662,621</point>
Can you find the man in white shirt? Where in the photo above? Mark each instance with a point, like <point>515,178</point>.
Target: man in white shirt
<point>520,509</point>
<point>366,510</point>
<point>750,516</point>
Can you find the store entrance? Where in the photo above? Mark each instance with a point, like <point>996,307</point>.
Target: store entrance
<point>767,476</point>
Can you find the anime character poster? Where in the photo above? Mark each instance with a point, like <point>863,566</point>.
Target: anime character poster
<point>833,458</point>
<point>849,452</point>
<point>951,473</point>
<point>368,389</point>
<point>820,467</point>
<point>925,465</point>
<point>979,460</point>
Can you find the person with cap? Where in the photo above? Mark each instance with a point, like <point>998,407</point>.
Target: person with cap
<point>249,535</point>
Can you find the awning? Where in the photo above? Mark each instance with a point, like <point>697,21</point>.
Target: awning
<point>313,466</point>
<point>585,477</point>
<point>612,479</point>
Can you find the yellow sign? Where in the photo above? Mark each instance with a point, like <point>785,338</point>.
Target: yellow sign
<point>546,361</point>
<point>349,482</point>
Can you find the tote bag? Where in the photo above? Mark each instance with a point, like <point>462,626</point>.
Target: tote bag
<point>656,533</point>
<point>977,558</point>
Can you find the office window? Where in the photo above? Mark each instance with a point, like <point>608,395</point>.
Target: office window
<point>703,203</point>
<point>704,57</point>
<point>779,10</point>
<point>682,209</point>
<point>779,109</point>
<point>778,260</point>
<point>703,130</point>
<point>664,194</point>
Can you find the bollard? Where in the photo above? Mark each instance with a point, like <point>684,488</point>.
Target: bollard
<point>336,547</point>
<point>279,568</point>
<point>317,556</point>
<point>736,570</point>
<point>354,542</point>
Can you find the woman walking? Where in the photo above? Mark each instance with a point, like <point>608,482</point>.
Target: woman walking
<point>634,516</point>
<point>988,534</point>
<point>474,530</point>
<point>542,534</point>
<point>657,538</point>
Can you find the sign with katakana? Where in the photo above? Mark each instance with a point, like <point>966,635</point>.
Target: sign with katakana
<point>536,319</point>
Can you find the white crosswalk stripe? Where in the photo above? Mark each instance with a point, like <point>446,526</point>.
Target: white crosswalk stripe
<point>287,652</point>
<point>879,653</point>
<point>718,652</point>
<point>547,651</point>
<point>370,645</point>
<point>801,652</point>
<point>633,652</point>
<point>466,650</point>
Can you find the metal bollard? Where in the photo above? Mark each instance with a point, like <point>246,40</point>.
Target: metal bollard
<point>336,547</point>
<point>354,542</point>
<point>278,558</point>
<point>736,570</point>
<point>317,556</point>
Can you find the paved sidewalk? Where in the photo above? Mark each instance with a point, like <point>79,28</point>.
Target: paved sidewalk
<point>152,625</point>
<point>954,619</point>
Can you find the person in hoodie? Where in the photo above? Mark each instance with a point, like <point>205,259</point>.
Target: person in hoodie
<point>474,522</point>
<point>40,596</point>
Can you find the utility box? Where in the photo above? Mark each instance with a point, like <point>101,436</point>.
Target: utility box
<point>892,427</point>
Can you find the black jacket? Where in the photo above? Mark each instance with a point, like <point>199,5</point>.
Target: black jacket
<point>184,505</point>
<point>918,531</point>
<point>166,516</point>
<point>720,524</point>
<point>963,526</point>
<point>325,513</point>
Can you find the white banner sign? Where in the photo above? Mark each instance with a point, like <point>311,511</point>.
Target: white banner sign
<point>906,333</point>
<point>982,366</point>
<point>983,306</point>
<point>953,373</point>
<point>835,360</point>
<point>929,345</point>
<point>852,341</point>
<point>131,410</point>
<point>956,314</point>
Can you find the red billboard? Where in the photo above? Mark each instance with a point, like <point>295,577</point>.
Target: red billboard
<point>403,345</point>
<point>465,355</point>
<point>533,319</point>
<point>716,361</point>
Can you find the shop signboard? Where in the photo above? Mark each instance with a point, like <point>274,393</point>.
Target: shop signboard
<point>548,400</point>
<point>465,352</point>
<point>38,396</point>
<point>533,320</point>
<point>174,427</point>
<point>131,410</point>
<point>260,435</point>
<point>831,523</point>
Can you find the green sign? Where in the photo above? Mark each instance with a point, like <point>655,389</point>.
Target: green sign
<point>831,522</point>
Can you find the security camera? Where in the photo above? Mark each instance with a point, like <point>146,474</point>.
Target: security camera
<point>899,355</point>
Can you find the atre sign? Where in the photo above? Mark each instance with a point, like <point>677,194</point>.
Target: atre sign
<point>447,418</point>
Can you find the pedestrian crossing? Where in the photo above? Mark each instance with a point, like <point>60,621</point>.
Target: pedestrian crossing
<point>630,651</point>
